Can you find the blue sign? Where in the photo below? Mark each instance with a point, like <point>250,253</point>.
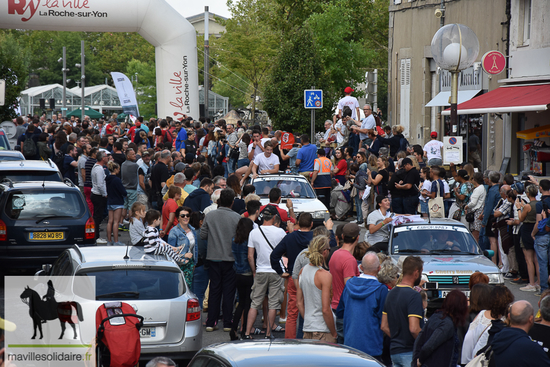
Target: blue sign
<point>313,98</point>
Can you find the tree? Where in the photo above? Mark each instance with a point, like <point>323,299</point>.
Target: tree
<point>145,86</point>
<point>296,68</point>
<point>14,64</point>
<point>247,47</point>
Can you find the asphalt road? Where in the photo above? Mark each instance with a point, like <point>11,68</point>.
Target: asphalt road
<point>221,336</point>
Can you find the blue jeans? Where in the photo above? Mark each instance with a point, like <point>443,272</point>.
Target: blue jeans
<point>243,162</point>
<point>402,359</point>
<point>224,165</point>
<point>358,203</point>
<point>340,330</point>
<point>542,249</point>
<point>200,283</point>
<point>300,327</point>
<point>435,162</point>
<point>231,165</point>
<point>397,205</point>
<point>410,204</point>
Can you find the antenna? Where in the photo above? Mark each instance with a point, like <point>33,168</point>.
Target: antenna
<point>126,257</point>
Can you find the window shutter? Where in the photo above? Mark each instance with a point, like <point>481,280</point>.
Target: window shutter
<point>405,82</point>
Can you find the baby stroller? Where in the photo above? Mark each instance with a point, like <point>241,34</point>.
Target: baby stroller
<point>118,338</point>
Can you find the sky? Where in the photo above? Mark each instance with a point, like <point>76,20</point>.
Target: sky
<point>194,7</point>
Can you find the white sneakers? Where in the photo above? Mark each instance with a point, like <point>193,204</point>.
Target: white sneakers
<point>530,288</point>
<point>101,241</point>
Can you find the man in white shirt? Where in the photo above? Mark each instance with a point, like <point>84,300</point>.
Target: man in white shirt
<point>256,146</point>
<point>349,101</point>
<point>367,125</point>
<point>265,278</point>
<point>265,163</point>
<point>432,150</point>
<point>328,132</point>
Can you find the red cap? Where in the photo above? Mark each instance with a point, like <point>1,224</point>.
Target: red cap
<point>348,90</point>
<point>433,134</point>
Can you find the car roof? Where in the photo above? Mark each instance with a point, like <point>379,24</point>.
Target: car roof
<point>91,257</point>
<point>32,164</point>
<point>434,221</point>
<point>11,153</point>
<point>38,184</point>
<point>282,352</point>
<point>284,175</point>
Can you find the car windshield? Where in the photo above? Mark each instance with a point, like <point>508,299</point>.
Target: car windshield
<point>433,239</point>
<point>135,284</point>
<point>20,175</point>
<point>11,158</point>
<point>44,204</point>
<point>291,187</point>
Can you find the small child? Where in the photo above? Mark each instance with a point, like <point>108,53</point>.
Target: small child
<point>137,213</point>
<point>153,243</point>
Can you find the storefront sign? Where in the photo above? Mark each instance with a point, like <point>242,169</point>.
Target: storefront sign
<point>468,79</point>
<point>493,62</point>
<point>452,150</point>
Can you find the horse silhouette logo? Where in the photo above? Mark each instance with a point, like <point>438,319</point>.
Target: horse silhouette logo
<point>43,309</point>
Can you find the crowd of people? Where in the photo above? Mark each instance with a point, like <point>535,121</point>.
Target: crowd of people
<point>179,188</point>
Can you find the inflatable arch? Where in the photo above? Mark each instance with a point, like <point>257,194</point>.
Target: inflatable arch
<point>158,21</point>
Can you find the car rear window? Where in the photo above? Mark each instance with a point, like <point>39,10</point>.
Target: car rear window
<point>433,239</point>
<point>19,175</point>
<point>136,284</point>
<point>44,204</point>
<point>290,187</point>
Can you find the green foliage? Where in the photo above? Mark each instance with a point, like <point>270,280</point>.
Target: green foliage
<point>234,86</point>
<point>14,63</point>
<point>146,86</point>
<point>296,68</point>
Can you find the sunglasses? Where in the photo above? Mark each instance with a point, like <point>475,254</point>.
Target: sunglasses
<point>185,215</point>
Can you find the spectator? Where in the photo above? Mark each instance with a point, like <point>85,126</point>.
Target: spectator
<point>542,237</point>
<point>476,278</point>
<point>379,180</point>
<point>409,187</point>
<point>99,193</point>
<point>432,150</point>
<point>476,204</point>
<point>437,343</point>
<point>261,242</point>
<point>378,231</point>
<point>161,362</point>
<point>215,228</point>
<point>142,191</point>
<point>44,150</point>
<point>130,180</point>
<point>314,292</point>
<point>343,267</point>
<point>361,307</point>
<point>137,215</point>
<point>290,246</point>
<point>340,166</point>
<point>403,316</point>
<point>527,216</point>
<point>184,236</point>
<point>540,332</point>
<point>306,157</point>
<point>517,194</point>
<point>243,278</point>
<point>214,198</point>
<point>169,209</point>
<point>395,141</point>
<point>116,194</point>
<point>491,200</point>
<point>478,332</point>
<point>360,179</point>
<point>70,164</point>
<point>321,177</point>
<point>199,199</point>
<point>512,346</point>
<point>159,175</point>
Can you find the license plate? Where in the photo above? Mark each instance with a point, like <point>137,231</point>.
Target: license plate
<point>443,294</point>
<point>46,236</point>
<point>148,332</point>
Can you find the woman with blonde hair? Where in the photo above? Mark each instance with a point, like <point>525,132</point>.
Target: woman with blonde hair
<point>395,141</point>
<point>313,295</point>
<point>115,202</point>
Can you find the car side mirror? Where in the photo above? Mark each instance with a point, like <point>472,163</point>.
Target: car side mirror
<point>489,253</point>
<point>46,268</point>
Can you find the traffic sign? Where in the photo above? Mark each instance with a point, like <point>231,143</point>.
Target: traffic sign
<point>313,98</point>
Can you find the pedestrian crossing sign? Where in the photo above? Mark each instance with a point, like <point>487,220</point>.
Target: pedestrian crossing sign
<point>313,98</point>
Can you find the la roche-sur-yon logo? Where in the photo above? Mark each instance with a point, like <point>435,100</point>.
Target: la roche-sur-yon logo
<point>53,8</point>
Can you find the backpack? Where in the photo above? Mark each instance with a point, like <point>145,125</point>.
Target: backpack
<point>59,160</point>
<point>403,143</point>
<point>29,147</point>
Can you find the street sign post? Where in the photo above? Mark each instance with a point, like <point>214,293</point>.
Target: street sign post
<point>313,99</point>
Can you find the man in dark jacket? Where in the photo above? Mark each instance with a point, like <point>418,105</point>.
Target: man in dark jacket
<point>199,199</point>
<point>291,245</point>
<point>512,346</point>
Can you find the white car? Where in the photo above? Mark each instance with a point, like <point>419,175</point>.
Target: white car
<point>152,284</point>
<point>296,188</point>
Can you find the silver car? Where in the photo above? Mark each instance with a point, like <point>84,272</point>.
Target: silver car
<point>152,284</point>
<point>450,255</point>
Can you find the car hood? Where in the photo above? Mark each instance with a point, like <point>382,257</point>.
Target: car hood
<point>300,205</point>
<point>455,264</point>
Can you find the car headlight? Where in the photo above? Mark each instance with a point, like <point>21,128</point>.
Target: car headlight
<point>495,278</point>
<point>320,214</point>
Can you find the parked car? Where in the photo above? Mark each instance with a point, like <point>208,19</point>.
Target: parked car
<point>450,255</point>
<point>281,353</point>
<point>11,155</point>
<point>4,141</point>
<point>152,284</point>
<point>293,187</point>
<point>38,220</point>
<point>30,170</point>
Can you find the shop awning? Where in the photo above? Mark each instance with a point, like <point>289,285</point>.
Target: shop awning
<point>442,99</point>
<point>535,133</point>
<point>521,98</point>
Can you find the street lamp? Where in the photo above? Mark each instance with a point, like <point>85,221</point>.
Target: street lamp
<point>454,48</point>
<point>64,70</point>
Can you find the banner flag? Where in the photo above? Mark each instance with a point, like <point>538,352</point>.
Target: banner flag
<point>126,94</point>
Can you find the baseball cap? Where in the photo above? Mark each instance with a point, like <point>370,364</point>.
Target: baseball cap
<point>104,151</point>
<point>348,90</point>
<point>210,126</point>
<point>519,187</point>
<point>433,134</point>
<point>351,230</point>
<point>145,152</point>
<point>270,210</point>
<point>179,167</point>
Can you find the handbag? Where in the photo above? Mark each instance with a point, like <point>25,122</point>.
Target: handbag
<point>436,207</point>
<point>470,217</point>
<point>234,153</point>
